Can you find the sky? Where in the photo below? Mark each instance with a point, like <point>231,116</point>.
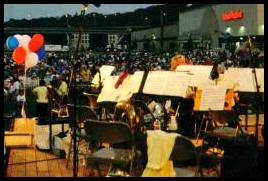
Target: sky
<point>29,11</point>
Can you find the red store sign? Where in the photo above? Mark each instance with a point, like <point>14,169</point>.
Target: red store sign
<point>232,15</point>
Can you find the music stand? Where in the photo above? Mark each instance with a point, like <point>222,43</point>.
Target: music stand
<point>257,99</point>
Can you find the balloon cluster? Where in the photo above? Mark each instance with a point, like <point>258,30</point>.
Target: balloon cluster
<point>26,50</point>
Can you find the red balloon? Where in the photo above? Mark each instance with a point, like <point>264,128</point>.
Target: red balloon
<point>36,42</point>
<point>19,55</point>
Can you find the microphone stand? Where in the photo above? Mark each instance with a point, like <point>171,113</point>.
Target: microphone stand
<point>74,123</point>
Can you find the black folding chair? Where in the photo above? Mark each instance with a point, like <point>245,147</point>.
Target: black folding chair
<point>224,132</point>
<point>186,159</point>
<point>82,113</point>
<point>225,126</point>
<point>113,133</point>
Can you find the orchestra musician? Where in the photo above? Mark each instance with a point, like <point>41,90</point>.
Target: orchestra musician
<point>178,60</point>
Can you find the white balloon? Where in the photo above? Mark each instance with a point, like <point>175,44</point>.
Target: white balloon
<point>18,37</point>
<point>24,41</point>
<point>31,60</point>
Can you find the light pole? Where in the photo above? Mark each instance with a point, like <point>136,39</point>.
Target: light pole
<point>94,20</point>
<point>153,42</point>
<point>146,21</point>
<point>67,25</point>
<point>29,16</point>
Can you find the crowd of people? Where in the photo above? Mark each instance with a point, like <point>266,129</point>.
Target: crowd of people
<point>57,67</point>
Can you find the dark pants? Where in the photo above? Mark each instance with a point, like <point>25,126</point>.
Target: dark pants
<point>42,113</point>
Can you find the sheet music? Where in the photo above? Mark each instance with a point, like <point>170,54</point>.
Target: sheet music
<point>155,82</point>
<point>213,98</point>
<point>199,74</point>
<point>196,69</point>
<point>168,83</point>
<point>124,91</point>
<point>135,81</point>
<point>130,85</point>
<point>229,79</point>
<point>108,92</point>
<point>199,79</point>
<point>105,71</point>
<point>243,78</point>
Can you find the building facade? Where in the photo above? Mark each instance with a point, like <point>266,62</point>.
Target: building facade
<point>207,27</point>
<point>85,40</point>
<point>93,40</point>
<point>113,39</point>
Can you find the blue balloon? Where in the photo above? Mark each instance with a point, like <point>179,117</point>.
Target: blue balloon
<point>41,53</point>
<point>12,43</point>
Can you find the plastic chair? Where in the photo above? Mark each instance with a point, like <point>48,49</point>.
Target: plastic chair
<point>113,133</point>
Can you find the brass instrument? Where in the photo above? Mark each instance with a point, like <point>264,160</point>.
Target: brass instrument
<point>125,111</point>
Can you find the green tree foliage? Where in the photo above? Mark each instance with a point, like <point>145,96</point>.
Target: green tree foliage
<point>148,17</point>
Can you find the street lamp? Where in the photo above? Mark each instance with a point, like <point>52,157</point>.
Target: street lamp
<point>146,21</point>
<point>29,17</point>
<point>94,19</point>
<point>153,42</point>
<point>85,7</point>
